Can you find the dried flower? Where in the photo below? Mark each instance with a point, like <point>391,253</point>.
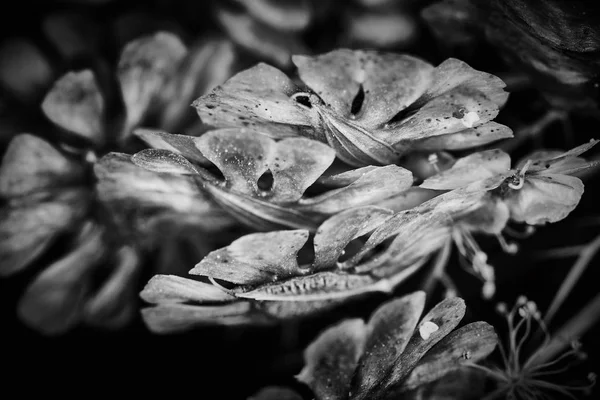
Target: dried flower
<point>389,355</point>
<point>293,164</point>
<point>369,107</point>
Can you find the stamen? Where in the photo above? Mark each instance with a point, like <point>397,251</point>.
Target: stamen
<point>510,248</point>
<point>433,160</point>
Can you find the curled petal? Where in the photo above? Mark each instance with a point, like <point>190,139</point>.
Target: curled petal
<point>163,161</point>
<point>162,289</point>
<point>256,258</point>
<point>466,138</point>
<point>181,144</point>
<point>374,185</point>
<point>337,232</point>
<point>544,198</point>
<point>75,103</point>
<point>259,99</point>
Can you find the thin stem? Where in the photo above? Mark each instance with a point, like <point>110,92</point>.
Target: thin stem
<point>587,254</point>
<point>575,327</point>
<point>441,260</point>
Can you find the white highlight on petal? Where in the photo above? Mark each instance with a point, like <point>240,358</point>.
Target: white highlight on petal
<point>426,329</point>
<point>469,119</point>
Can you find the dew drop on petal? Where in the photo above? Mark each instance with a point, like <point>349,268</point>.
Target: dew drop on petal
<point>426,329</point>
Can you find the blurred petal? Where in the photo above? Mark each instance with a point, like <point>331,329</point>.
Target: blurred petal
<point>31,164</point>
<point>374,185</point>
<point>286,15</point>
<point>163,161</point>
<point>163,289</point>
<point>24,70</point>
<point>544,198</point>
<point>275,393</point>
<point>53,303</point>
<point>74,34</point>
<point>474,167</point>
<point>75,104</point>
<point>470,343</point>
<point>559,162</point>
<point>113,304</point>
<point>382,30</point>
<point>208,64</point>
<point>262,40</point>
<point>331,359</point>
<point>137,196</point>
<point>337,232</point>
<point>181,144</point>
<point>171,318</point>
<point>390,328</point>
<point>256,258</point>
<point>27,229</point>
<point>259,100</point>
<point>143,69</point>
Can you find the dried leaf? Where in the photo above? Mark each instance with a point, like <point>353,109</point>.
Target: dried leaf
<point>256,258</point>
<point>30,164</point>
<point>331,359</point>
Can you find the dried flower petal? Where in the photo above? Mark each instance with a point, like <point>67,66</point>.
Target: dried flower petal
<point>390,328</point>
<point>474,167</point>
<point>255,258</point>
<point>331,359</point>
<point>470,343</point>
<point>163,289</point>
<point>181,144</point>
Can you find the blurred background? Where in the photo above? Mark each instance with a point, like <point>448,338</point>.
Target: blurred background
<point>42,40</point>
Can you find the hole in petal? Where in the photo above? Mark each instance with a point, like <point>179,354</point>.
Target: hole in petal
<point>265,182</point>
<point>302,99</point>
<point>358,101</point>
<point>353,247</point>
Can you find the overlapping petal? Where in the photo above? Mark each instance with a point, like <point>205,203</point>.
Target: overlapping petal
<point>264,181</point>
<point>370,107</point>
